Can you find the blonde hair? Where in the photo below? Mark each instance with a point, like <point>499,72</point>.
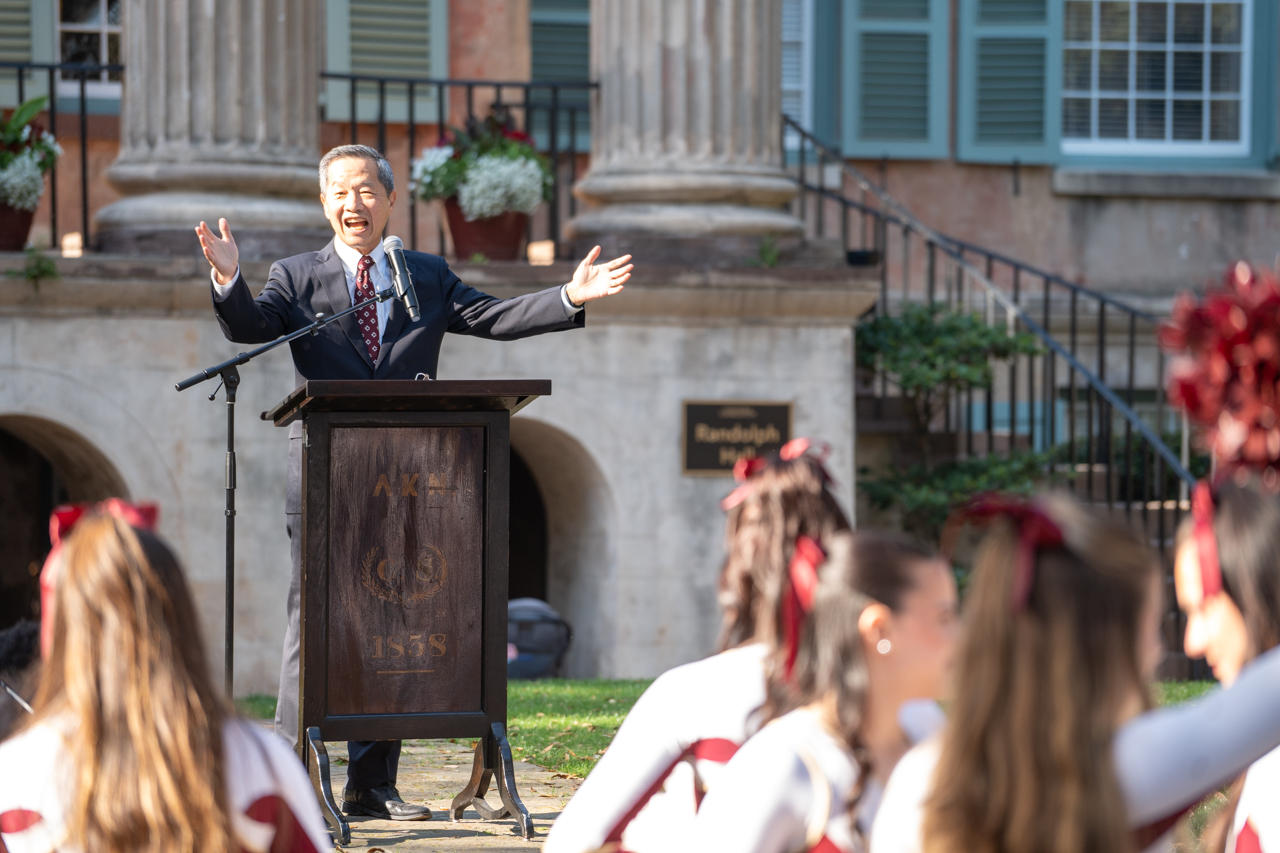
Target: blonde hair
<point>128,666</point>
<point>1025,763</point>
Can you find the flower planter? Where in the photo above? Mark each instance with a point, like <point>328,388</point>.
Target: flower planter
<point>15,227</point>
<point>497,238</point>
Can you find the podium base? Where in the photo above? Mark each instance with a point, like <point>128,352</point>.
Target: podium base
<point>318,769</point>
<point>483,771</point>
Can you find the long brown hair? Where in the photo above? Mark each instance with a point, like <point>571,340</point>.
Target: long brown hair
<point>878,565</point>
<point>788,499</point>
<point>1025,763</point>
<point>128,666</point>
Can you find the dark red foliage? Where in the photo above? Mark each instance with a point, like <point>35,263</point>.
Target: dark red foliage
<point>1226,367</point>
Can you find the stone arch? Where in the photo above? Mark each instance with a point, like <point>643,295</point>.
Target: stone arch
<point>581,558</point>
<point>97,445</point>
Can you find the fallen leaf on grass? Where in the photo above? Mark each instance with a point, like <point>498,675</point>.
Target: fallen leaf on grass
<point>550,747</point>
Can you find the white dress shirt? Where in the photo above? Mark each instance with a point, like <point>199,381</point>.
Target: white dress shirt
<point>380,276</point>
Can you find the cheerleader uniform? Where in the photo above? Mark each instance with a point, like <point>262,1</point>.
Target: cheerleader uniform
<point>1256,827</point>
<point>1166,761</point>
<point>273,809</point>
<point>699,713</point>
<point>786,790</point>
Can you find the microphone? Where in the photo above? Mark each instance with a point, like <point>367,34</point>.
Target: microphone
<point>400,273</point>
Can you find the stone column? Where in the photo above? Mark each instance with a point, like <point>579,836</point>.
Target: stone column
<point>686,152</point>
<point>219,118</point>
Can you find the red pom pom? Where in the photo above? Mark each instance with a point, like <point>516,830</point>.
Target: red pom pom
<point>1226,369</point>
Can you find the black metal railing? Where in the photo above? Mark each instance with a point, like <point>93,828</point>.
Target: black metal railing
<point>555,114</point>
<point>1091,399</point>
<point>30,78</point>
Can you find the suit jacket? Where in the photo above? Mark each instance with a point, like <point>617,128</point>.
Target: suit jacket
<point>302,285</point>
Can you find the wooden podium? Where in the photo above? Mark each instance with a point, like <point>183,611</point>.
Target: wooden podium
<point>404,571</point>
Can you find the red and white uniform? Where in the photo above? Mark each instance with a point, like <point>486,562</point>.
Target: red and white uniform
<point>1166,761</point>
<point>786,790</point>
<point>266,787</point>
<point>701,711</point>
<point>1256,828</point>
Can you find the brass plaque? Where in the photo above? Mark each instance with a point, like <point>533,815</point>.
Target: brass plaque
<point>717,433</point>
<point>406,569</point>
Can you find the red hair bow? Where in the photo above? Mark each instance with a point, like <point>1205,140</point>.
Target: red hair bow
<point>61,523</point>
<point>1036,530</point>
<point>801,585</point>
<point>1206,541</point>
<point>749,466</point>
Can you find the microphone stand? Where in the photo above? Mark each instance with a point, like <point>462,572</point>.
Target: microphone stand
<point>230,375</point>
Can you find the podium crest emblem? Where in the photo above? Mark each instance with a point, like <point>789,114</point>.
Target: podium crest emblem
<point>401,584</point>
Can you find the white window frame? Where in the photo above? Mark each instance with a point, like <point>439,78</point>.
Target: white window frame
<point>1169,147</point>
<point>806,74</point>
<point>94,88</point>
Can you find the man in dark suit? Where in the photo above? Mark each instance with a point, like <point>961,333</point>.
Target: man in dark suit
<point>378,342</point>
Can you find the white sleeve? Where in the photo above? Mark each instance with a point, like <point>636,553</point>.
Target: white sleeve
<point>247,778</point>
<point>570,310</point>
<point>761,805</point>
<point>900,819</point>
<point>646,746</point>
<point>1168,759</point>
<point>223,289</point>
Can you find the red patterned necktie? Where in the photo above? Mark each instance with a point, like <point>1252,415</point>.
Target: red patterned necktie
<point>367,316</point>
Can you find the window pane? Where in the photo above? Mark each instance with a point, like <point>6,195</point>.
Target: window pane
<point>1148,119</point>
<point>1188,71</point>
<point>1113,21</point>
<point>1151,71</point>
<point>81,11</point>
<point>1113,118</point>
<point>1188,23</point>
<point>1076,71</point>
<point>1113,70</point>
<point>1224,72</point>
<point>81,48</point>
<point>1224,121</point>
<point>1079,20</point>
<point>1226,23</point>
<point>113,55</point>
<point>1075,118</point>
<point>1153,22</point>
<point>1188,120</point>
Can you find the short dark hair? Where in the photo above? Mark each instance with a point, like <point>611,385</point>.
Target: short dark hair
<point>385,176</point>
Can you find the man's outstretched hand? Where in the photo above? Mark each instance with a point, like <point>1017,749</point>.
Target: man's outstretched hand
<point>220,252</point>
<point>592,280</point>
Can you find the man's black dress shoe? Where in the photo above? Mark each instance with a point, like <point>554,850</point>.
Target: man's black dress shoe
<point>382,802</point>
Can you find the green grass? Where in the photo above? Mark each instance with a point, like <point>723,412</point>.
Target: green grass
<point>1177,692</point>
<point>565,725</point>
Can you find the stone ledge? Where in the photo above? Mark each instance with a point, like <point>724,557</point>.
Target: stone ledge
<point>1225,185</point>
<point>787,296</point>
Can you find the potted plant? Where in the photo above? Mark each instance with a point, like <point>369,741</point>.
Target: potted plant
<point>490,178</point>
<point>27,152</point>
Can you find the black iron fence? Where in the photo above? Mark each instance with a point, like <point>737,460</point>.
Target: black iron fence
<point>43,78</point>
<point>556,115</point>
<point>1090,399</point>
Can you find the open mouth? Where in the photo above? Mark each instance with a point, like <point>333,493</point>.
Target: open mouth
<point>355,223</point>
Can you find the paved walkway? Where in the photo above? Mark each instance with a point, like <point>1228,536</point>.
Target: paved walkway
<point>431,773</point>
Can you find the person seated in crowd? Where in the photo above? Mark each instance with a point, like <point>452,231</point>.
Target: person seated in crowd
<point>131,747</point>
<point>880,634</point>
<point>1227,577</point>
<point>692,718</point>
<point>19,668</point>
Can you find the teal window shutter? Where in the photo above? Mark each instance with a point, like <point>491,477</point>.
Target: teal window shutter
<point>896,72</point>
<point>1010,81</point>
<point>560,52</point>
<point>385,38</point>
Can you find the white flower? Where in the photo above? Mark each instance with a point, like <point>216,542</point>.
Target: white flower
<point>431,159</point>
<point>26,132</point>
<point>21,182</point>
<point>496,184</point>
